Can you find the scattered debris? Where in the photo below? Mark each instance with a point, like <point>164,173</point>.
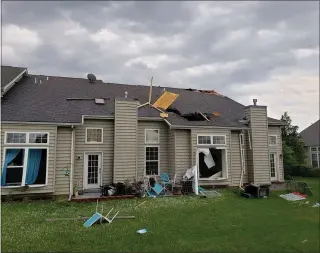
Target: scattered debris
<point>99,217</point>
<point>165,100</point>
<point>142,231</point>
<point>141,203</point>
<point>295,196</point>
<point>85,218</point>
<point>304,241</point>
<point>316,205</point>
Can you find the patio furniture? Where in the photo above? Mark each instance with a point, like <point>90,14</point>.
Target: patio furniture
<point>165,180</point>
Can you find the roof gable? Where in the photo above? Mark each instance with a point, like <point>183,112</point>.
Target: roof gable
<point>311,135</point>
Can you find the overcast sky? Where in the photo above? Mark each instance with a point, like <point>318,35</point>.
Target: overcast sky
<point>244,50</point>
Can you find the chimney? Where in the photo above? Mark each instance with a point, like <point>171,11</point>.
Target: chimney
<point>258,155</point>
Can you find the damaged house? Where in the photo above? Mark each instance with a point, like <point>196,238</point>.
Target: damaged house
<point>61,132</point>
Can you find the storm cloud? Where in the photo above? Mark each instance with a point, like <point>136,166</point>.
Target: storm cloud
<point>244,50</point>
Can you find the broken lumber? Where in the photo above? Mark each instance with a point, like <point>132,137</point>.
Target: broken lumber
<point>85,218</point>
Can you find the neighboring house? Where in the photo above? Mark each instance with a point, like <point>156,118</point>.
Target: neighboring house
<point>58,132</point>
<point>311,138</point>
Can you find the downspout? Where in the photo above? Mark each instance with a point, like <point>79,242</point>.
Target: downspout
<point>241,160</point>
<point>71,164</point>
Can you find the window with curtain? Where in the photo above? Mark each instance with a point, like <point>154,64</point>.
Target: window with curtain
<point>28,163</point>
<point>152,161</point>
<point>94,135</point>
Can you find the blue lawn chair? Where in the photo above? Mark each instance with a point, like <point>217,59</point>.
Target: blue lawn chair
<point>156,190</point>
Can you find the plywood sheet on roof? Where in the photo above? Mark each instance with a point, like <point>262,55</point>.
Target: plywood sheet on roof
<point>165,100</point>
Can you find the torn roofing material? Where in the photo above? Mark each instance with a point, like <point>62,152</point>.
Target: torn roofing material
<point>47,102</point>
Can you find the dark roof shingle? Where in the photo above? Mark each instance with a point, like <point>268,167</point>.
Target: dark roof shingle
<point>47,101</point>
<point>8,73</point>
<point>311,135</point>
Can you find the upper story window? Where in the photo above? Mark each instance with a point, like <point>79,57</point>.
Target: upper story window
<point>152,136</point>
<point>94,135</point>
<point>16,138</point>
<point>38,138</point>
<point>27,138</point>
<point>314,149</point>
<point>211,139</point>
<point>272,140</point>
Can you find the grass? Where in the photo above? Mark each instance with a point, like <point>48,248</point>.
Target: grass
<point>226,224</point>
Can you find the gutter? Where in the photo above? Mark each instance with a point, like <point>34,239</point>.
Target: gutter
<point>12,83</point>
<point>211,127</point>
<point>71,164</point>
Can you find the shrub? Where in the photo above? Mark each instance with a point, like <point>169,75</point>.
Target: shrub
<point>300,171</point>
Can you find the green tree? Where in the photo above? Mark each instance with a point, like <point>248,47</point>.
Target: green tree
<point>294,153</point>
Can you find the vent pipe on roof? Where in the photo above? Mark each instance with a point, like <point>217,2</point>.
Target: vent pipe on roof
<point>92,78</point>
<point>255,101</point>
<point>35,80</point>
<point>126,94</point>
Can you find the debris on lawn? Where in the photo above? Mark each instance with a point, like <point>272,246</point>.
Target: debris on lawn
<point>142,231</point>
<point>208,193</point>
<point>85,218</point>
<point>316,205</point>
<point>294,196</point>
<point>141,203</point>
<point>255,191</point>
<point>304,241</point>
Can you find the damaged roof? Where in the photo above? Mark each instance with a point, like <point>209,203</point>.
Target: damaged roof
<point>46,101</point>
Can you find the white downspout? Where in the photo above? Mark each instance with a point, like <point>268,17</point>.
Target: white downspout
<point>241,159</point>
<point>71,165</point>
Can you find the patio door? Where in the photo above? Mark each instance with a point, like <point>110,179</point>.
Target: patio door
<point>273,166</point>
<point>92,170</point>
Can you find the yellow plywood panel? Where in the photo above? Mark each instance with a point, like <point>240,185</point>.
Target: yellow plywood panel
<point>166,99</point>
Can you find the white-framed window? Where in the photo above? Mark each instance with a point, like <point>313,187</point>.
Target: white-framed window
<point>25,166</point>
<point>315,160</point>
<point>314,149</point>
<point>241,139</point>
<point>94,135</point>
<point>204,139</point>
<point>152,160</point>
<point>18,138</point>
<point>152,136</point>
<point>211,139</point>
<point>272,139</point>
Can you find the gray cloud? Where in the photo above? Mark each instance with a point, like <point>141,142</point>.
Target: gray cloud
<point>235,48</point>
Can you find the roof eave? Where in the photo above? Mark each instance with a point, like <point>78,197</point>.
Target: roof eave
<point>8,86</point>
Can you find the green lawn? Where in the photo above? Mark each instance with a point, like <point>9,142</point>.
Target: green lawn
<point>226,224</point>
